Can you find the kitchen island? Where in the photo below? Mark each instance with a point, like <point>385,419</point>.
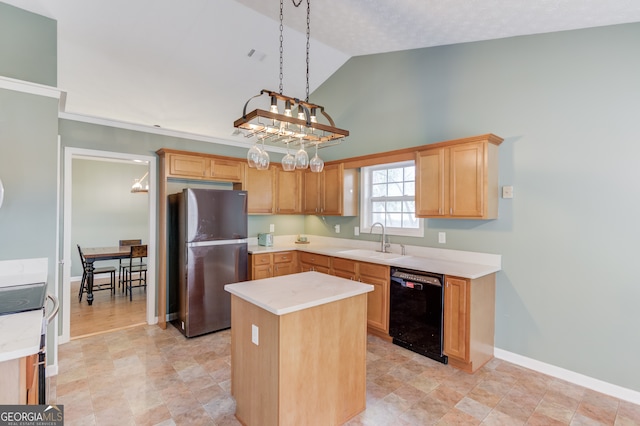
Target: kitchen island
<point>298,349</point>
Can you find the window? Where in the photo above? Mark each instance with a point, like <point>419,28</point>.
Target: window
<point>388,196</point>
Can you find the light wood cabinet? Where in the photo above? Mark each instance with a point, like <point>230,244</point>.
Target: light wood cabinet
<point>267,265</point>
<point>284,263</point>
<point>314,262</point>
<point>204,167</point>
<point>469,316</point>
<point>333,192</point>
<point>288,187</point>
<point>19,381</point>
<point>458,179</point>
<point>227,170</point>
<point>260,187</point>
<point>378,299</point>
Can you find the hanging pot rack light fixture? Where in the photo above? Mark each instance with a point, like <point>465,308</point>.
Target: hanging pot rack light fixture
<point>302,130</point>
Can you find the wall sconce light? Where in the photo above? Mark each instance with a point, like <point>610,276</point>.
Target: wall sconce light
<point>137,185</point>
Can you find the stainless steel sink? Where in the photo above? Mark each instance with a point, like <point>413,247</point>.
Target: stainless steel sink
<point>371,254</point>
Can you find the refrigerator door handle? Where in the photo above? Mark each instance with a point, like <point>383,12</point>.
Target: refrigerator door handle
<point>217,242</point>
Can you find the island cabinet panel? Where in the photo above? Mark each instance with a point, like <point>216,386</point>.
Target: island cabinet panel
<point>315,262</point>
<point>469,321</point>
<point>299,373</point>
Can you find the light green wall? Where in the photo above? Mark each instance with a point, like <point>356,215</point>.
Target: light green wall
<point>568,107</point>
<point>28,46</point>
<point>104,210</point>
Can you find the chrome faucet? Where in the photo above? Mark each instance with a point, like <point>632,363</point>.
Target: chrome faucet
<point>384,245</point>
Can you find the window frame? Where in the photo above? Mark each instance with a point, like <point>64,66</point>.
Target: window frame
<point>366,215</point>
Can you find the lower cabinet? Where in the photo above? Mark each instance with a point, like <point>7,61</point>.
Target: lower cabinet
<point>267,265</point>
<point>378,299</point>
<point>469,312</point>
<point>19,381</point>
<point>314,262</point>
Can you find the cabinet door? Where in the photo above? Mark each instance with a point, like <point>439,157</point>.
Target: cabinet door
<point>262,271</point>
<point>331,190</point>
<point>260,191</point>
<point>466,179</point>
<point>430,182</point>
<point>288,192</point>
<point>456,318</point>
<point>345,268</point>
<point>311,194</point>
<point>227,170</point>
<point>187,166</point>
<point>378,299</point>
<point>284,263</point>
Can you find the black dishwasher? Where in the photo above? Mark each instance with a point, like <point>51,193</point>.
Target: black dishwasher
<point>415,313</point>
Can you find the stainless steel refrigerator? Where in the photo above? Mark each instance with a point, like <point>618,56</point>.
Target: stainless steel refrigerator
<point>207,249</point>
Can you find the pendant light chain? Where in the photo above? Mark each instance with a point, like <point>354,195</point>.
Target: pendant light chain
<point>281,39</point>
<point>308,42</point>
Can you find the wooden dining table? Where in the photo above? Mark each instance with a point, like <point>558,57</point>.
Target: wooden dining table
<point>94,254</point>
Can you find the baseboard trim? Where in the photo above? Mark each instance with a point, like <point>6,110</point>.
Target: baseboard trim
<point>570,376</point>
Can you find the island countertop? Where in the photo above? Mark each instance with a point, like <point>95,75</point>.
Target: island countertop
<point>291,293</point>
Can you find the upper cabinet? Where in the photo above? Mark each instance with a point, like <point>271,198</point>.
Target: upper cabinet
<point>333,192</point>
<point>288,196</point>
<point>260,186</point>
<point>204,167</point>
<point>458,179</point>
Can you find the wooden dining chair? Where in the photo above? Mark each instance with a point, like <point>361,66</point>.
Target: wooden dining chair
<point>122,262</point>
<point>111,270</point>
<point>137,266</point>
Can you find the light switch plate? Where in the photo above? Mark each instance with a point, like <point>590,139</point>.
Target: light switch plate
<point>272,227</point>
<point>356,230</point>
<point>255,331</point>
<point>442,237</point>
<point>507,192</point>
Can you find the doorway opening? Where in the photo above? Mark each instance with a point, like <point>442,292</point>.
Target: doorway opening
<point>79,166</point>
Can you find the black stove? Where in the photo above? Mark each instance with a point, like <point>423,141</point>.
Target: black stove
<point>22,298</point>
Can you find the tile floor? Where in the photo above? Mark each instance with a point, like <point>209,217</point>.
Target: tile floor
<point>148,376</point>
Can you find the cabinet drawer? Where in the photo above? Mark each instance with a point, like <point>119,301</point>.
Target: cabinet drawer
<point>344,265</point>
<point>315,259</point>
<point>262,259</point>
<point>374,270</point>
<point>282,257</point>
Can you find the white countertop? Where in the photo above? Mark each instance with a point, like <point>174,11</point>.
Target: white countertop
<point>447,262</point>
<point>291,293</point>
<point>20,334</point>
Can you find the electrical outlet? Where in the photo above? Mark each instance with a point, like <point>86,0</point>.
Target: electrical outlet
<point>337,228</point>
<point>272,227</point>
<point>356,230</point>
<point>255,332</point>
<point>442,237</point>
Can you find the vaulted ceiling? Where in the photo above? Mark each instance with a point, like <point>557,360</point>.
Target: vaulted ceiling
<point>187,66</point>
